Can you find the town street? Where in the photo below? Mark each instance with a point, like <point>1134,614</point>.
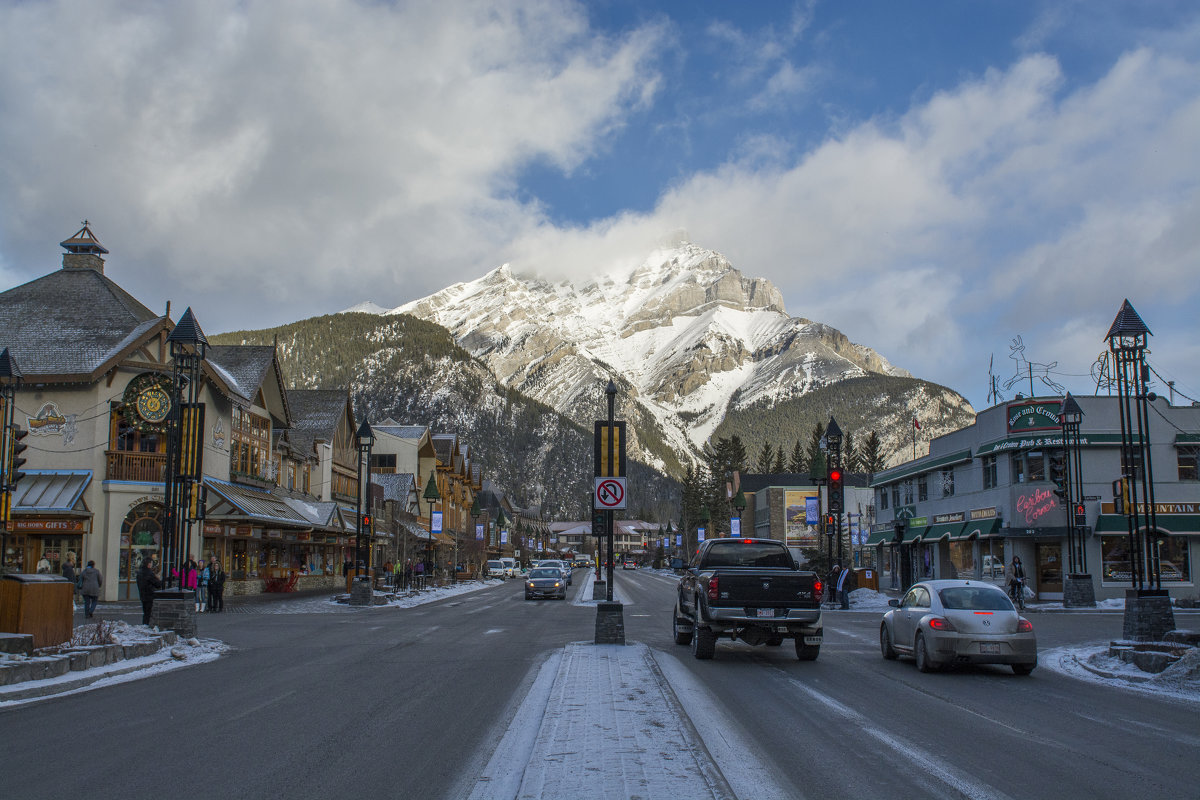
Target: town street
<point>412,702</point>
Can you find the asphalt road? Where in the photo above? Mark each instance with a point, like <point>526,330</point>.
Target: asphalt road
<point>410,703</point>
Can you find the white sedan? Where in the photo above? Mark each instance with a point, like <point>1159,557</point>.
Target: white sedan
<point>956,621</point>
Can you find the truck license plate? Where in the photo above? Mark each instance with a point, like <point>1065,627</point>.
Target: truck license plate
<point>989,648</point>
<point>766,612</point>
<point>812,639</point>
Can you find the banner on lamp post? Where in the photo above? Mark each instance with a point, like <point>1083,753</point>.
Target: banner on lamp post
<point>436,522</point>
<point>479,532</point>
<point>735,526</point>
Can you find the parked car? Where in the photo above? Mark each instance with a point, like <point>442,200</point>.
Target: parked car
<point>957,621</point>
<point>629,563</point>
<point>545,582</point>
<point>497,569</point>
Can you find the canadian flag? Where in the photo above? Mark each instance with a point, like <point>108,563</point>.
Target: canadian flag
<point>916,424</point>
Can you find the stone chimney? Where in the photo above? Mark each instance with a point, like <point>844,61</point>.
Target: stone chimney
<point>84,251</point>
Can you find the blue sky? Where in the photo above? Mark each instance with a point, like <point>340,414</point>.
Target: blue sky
<point>932,178</point>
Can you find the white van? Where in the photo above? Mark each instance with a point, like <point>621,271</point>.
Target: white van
<point>511,569</point>
<point>496,569</point>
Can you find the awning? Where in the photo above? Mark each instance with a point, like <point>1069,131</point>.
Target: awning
<point>52,492</point>
<point>247,502</point>
<point>912,535</point>
<point>883,536</point>
<point>980,529</point>
<point>943,530</point>
<point>442,538</point>
<point>1177,524</point>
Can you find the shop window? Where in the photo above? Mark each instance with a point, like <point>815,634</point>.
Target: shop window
<point>1189,459</point>
<point>947,483</point>
<point>1035,466</point>
<point>249,444</point>
<point>962,556</point>
<point>883,500</point>
<point>1174,564</point>
<point>1018,468</point>
<point>922,489</point>
<point>896,494</point>
<point>908,493</point>
<point>989,472</point>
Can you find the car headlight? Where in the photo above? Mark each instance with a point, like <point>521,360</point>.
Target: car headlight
<point>557,584</point>
<point>530,584</point>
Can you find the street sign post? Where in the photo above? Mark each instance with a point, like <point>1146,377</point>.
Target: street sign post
<point>611,494</point>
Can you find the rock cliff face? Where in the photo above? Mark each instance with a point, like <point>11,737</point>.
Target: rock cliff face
<point>685,335</point>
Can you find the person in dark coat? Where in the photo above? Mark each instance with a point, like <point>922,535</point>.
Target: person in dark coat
<point>216,586</point>
<point>90,582</point>
<point>147,582</point>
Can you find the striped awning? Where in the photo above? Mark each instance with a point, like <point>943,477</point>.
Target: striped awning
<point>980,529</point>
<point>944,530</point>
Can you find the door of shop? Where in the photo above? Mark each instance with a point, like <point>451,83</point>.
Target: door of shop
<point>1049,575</point>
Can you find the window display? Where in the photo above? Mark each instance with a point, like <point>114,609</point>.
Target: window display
<point>1174,566</point>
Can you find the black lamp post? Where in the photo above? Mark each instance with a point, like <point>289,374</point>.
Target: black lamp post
<point>10,382</point>
<point>183,479</point>
<point>1147,606</point>
<point>501,527</point>
<point>739,505</point>
<point>833,437</point>
<point>432,495</point>
<point>1077,587</point>
<point>475,512</point>
<point>366,439</point>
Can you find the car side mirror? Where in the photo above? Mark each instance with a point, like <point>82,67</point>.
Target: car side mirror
<point>894,603</point>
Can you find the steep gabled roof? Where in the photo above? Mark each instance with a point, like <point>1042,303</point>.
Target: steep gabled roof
<point>444,445</point>
<point>401,431</point>
<point>246,368</point>
<point>73,324</point>
<point>399,487</point>
<point>315,415</point>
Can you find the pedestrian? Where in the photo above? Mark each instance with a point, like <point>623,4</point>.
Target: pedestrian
<point>216,587</point>
<point>1014,577</point>
<point>70,574</point>
<point>346,567</point>
<point>843,589</point>
<point>831,583</point>
<point>43,566</point>
<point>419,574</point>
<point>201,586</point>
<point>147,582</point>
<point>91,581</point>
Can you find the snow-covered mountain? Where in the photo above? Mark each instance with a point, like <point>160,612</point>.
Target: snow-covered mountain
<point>685,335</point>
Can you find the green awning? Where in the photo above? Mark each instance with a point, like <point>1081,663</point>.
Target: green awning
<point>944,530</point>
<point>980,529</point>
<point>1168,523</point>
<point>883,536</point>
<point>914,534</point>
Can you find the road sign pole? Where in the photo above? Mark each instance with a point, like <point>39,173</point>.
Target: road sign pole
<point>614,471</point>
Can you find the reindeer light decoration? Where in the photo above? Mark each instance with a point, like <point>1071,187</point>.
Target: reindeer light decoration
<point>1030,369</point>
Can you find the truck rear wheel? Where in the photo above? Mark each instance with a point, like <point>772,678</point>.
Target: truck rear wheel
<point>704,643</point>
<point>806,652</point>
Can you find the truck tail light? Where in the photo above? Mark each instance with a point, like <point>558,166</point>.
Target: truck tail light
<point>817,587</point>
<point>712,588</point>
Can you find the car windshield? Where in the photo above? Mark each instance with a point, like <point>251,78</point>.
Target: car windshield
<point>545,573</point>
<point>738,553</point>
<point>975,598</point>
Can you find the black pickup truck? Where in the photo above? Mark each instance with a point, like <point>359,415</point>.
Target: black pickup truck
<point>748,589</point>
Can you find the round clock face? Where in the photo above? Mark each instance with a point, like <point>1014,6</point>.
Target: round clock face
<point>153,404</point>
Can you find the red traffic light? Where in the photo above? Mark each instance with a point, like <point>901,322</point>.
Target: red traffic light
<point>366,520</point>
<point>835,474</point>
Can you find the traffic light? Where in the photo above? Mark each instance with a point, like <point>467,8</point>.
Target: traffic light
<point>836,492</point>
<point>1080,516</point>
<point>15,434</point>
<point>366,522</point>
<point>830,524</point>
<point>1120,489</point>
<point>1058,478</point>
<point>598,526</point>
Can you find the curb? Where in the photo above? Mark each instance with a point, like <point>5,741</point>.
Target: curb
<point>1103,673</point>
<point>62,687</point>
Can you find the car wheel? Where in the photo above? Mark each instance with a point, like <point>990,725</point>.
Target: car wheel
<point>922,654</point>
<point>806,652</point>
<point>681,636</point>
<point>1023,669</point>
<point>704,643</point>
<point>885,643</point>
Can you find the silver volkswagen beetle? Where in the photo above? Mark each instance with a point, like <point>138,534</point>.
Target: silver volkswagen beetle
<point>955,621</point>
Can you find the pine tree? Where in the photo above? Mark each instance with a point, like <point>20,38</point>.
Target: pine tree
<point>779,466</point>
<point>816,456</point>
<point>798,464</point>
<point>765,456</point>
<point>849,452</point>
<point>871,456</point>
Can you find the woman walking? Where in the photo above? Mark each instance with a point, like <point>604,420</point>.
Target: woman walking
<point>147,582</point>
<point>201,586</point>
<point>216,587</point>
<point>90,582</point>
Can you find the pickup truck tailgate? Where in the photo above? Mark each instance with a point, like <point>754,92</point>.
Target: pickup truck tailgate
<point>765,590</point>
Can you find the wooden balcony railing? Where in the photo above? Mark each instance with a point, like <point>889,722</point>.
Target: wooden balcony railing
<point>132,466</point>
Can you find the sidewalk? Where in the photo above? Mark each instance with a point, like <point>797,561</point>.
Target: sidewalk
<point>601,721</point>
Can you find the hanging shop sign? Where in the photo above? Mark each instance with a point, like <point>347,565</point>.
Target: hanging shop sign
<point>49,421</point>
<point>147,402</point>
<point>957,516</point>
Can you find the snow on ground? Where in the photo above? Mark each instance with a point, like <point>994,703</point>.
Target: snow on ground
<point>184,653</point>
<point>1180,681</point>
<point>328,604</point>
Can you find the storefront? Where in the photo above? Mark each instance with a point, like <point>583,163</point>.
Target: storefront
<point>50,521</point>
<point>1176,531</point>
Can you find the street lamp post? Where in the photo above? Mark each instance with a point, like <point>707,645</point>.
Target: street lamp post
<point>833,436</point>
<point>183,480</point>
<point>10,382</point>
<point>1077,587</point>
<point>1148,614</point>
<point>366,439</point>
<point>475,512</point>
<point>739,505</point>
<point>432,495</point>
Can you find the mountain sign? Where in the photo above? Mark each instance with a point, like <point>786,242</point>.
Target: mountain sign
<point>610,493</point>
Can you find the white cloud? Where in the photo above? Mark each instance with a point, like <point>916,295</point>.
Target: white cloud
<point>282,148</point>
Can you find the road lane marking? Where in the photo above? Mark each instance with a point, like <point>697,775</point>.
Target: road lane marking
<point>481,608</point>
<point>493,630</point>
<point>922,760</point>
